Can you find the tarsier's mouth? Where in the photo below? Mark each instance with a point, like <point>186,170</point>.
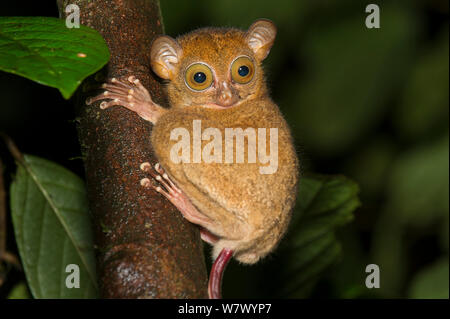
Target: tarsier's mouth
<point>218,106</point>
<point>221,106</point>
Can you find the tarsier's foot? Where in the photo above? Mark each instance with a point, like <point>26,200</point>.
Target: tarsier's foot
<point>178,198</point>
<point>129,93</point>
<point>174,194</point>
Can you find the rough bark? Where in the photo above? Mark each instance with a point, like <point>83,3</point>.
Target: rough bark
<point>145,249</point>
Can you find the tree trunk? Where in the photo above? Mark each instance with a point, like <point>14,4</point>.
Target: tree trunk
<point>145,249</point>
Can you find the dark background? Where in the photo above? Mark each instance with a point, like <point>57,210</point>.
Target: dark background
<point>371,104</point>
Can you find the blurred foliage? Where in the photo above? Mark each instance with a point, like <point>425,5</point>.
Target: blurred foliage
<point>431,282</point>
<point>51,221</point>
<point>371,104</point>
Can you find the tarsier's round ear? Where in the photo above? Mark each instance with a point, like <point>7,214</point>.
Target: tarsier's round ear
<point>260,37</point>
<point>165,54</point>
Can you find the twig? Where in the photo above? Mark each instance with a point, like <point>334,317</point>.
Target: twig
<point>6,256</point>
<point>2,212</point>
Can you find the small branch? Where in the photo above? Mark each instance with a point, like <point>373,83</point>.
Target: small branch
<point>6,256</point>
<point>2,213</point>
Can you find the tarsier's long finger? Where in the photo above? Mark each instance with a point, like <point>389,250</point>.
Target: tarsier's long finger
<point>145,182</point>
<point>93,99</point>
<point>217,271</point>
<point>119,99</point>
<point>106,104</point>
<point>115,95</point>
<point>117,89</point>
<point>159,168</point>
<point>163,173</point>
<point>119,83</point>
<point>146,167</point>
<point>140,91</point>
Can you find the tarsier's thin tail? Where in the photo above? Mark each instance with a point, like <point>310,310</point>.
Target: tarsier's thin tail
<point>217,270</point>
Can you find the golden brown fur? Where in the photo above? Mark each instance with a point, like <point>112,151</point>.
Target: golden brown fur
<point>250,211</point>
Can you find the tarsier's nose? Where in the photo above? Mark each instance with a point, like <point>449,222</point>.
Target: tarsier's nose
<point>226,95</point>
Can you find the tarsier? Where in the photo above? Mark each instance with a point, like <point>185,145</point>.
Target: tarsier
<point>215,75</point>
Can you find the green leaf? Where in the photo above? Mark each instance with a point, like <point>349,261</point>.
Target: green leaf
<point>432,282</point>
<point>324,204</point>
<point>44,50</point>
<point>19,291</point>
<point>52,229</point>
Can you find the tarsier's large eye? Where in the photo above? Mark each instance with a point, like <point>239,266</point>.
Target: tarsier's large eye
<point>198,77</point>
<point>242,70</point>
